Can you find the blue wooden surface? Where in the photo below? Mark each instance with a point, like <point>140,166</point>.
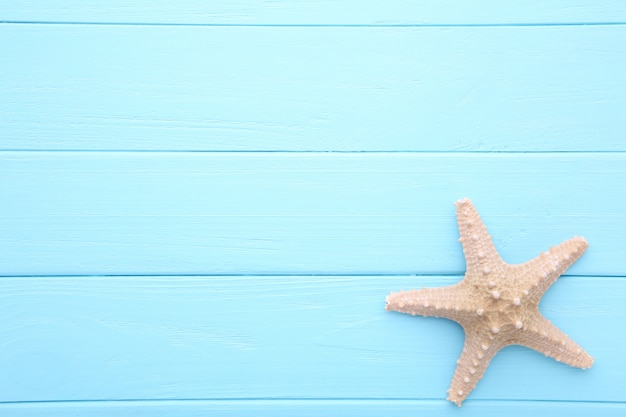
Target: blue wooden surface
<point>120,87</point>
<point>204,205</point>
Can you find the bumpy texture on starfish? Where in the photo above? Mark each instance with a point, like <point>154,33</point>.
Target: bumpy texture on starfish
<point>496,303</point>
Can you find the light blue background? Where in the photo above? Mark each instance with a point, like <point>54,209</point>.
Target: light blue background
<point>204,205</point>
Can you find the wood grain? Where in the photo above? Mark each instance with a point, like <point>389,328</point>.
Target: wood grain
<point>266,213</point>
<point>132,338</point>
<point>308,408</point>
<point>111,87</point>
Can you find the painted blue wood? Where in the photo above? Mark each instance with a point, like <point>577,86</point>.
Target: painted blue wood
<point>306,408</point>
<point>86,87</point>
<point>542,80</point>
<point>299,213</point>
<point>142,338</point>
<point>363,12</point>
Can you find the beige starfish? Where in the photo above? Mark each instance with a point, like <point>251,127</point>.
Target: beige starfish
<point>496,303</point>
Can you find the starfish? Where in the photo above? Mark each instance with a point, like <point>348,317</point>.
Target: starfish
<point>496,303</point>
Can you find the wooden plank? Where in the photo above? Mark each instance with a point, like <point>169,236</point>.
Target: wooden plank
<point>324,12</point>
<point>85,87</point>
<point>275,337</point>
<point>305,408</point>
<point>299,213</point>
<point>125,338</point>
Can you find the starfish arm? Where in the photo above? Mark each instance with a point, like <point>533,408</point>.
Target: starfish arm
<point>541,335</point>
<point>481,256</point>
<point>449,302</point>
<point>544,270</point>
<point>471,366</point>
